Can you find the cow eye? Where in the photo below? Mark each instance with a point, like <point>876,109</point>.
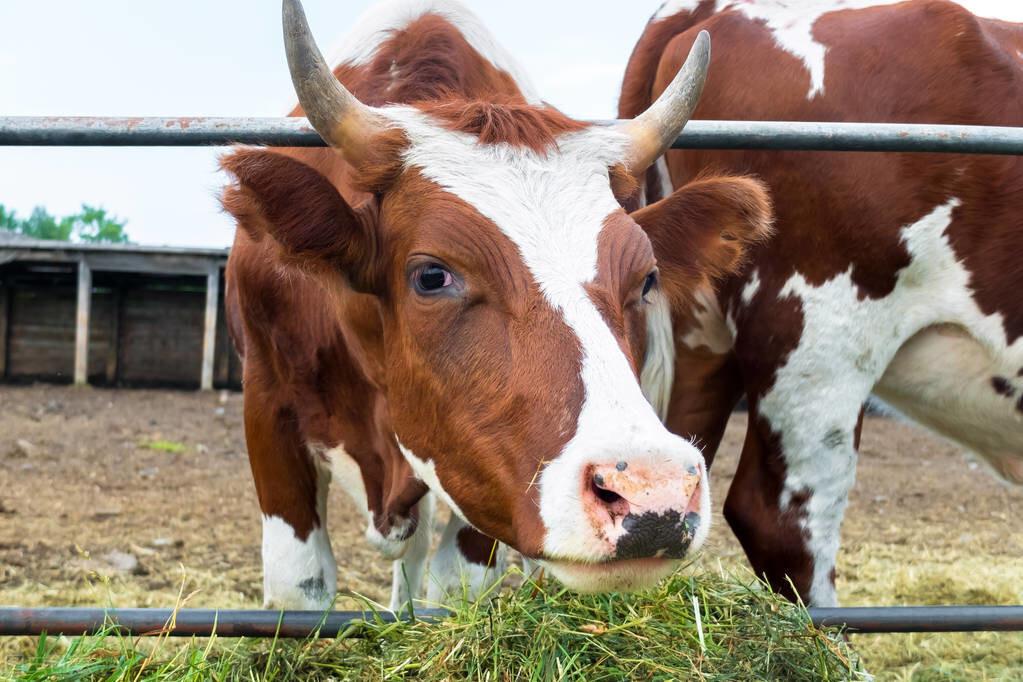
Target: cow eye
<point>432,278</point>
<point>649,283</point>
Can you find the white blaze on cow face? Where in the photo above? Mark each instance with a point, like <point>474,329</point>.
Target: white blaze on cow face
<point>553,207</point>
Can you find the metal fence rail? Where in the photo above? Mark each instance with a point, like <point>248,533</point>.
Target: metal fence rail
<point>296,132</point>
<point>304,624</point>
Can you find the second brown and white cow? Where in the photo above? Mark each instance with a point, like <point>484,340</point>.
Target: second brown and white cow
<point>451,300</point>
<point>898,274</point>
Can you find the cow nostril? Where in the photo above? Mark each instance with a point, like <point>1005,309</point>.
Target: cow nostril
<point>603,494</point>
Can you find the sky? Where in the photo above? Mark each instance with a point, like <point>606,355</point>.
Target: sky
<point>226,58</point>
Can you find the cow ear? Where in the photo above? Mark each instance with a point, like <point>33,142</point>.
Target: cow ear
<point>701,232</point>
<point>303,212</point>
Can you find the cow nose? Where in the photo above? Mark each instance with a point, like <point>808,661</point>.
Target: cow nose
<point>645,511</point>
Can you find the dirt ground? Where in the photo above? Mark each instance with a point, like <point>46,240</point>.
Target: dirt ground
<point>130,498</point>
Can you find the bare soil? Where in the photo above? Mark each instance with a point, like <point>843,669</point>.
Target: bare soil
<point>131,498</point>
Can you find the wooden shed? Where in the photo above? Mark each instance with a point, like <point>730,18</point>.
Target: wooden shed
<point>114,315</point>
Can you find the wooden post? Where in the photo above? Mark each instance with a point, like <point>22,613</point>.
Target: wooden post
<point>222,361</point>
<point>4,314</point>
<point>114,344</point>
<point>82,324</point>
<point>209,338</point>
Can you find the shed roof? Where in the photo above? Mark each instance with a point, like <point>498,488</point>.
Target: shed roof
<point>173,260</point>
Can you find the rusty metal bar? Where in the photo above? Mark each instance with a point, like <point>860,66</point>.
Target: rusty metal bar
<point>304,624</point>
<point>85,131</point>
<point>296,132</point>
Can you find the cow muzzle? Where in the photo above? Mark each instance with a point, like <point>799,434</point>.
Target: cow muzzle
<point>643,511</point>
<point>634,521</point>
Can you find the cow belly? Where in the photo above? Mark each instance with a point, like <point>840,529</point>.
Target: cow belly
<point>946,380</point>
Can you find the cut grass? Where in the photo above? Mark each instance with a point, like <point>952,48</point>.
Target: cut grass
<point>874,574</point>
<point>536,632</point>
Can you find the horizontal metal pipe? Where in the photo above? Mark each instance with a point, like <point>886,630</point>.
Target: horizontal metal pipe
<point>296,132</point>
<point>86,131</point>
<point>303,624</point>
<point>189,622</point>
<point>866,619</point>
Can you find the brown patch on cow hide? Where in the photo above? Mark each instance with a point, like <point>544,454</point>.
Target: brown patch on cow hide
<point>476,547</point>
<point>624,186</point>
<point>1003,387</point>
<point>505,122</point>
<point>624,259</point>
<point>773,539</point>
<point>427,61</point>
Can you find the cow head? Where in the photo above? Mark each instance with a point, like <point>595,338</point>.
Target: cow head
<point>516,301</point>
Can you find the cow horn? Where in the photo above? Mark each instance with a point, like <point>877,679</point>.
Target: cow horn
<point>339,117</point>
<point>653,131</point>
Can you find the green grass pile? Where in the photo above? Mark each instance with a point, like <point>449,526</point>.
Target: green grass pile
<point>701,628</point>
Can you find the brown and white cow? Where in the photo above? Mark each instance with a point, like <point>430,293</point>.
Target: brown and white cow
<point>452,300</point>
<point>897,274</point>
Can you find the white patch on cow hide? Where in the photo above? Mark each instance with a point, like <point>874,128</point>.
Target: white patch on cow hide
<point>297,574</point>
<point>378,23</point>
<point>658,373</point>
<point>751,288</point>
<point>452,578</point>
<point>942,379</point>
<point>426,471</point>
<point>791,24</point>
<point>673,7</point>
<point>553,207</point>
<point>846,346</point>
<point>346,472</point>
<point>708,326</point>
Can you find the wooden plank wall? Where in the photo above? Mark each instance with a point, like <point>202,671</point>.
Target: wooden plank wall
<point>42,333</point>
<point>139,335</point>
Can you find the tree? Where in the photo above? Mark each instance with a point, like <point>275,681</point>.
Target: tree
<point>95,225</point>
<point>8,221</point>
<point>92,225</point>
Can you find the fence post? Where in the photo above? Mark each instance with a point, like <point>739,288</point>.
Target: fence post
<point>209,338</point>
<point>82,323</point>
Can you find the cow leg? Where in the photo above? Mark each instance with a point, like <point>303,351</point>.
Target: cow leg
<point>407,572</point>
<point>786,507</point>
<point>299,571</point>
<point>466,562</point>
